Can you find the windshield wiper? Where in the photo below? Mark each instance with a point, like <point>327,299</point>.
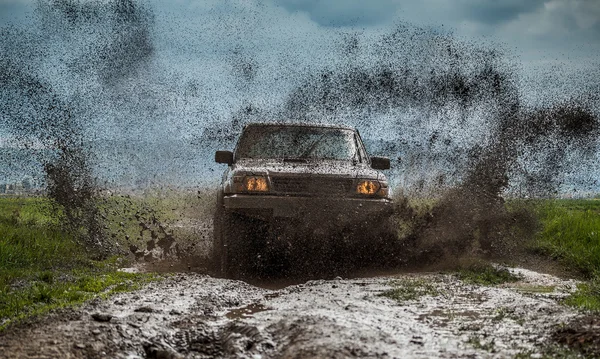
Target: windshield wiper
<point>312,147</point>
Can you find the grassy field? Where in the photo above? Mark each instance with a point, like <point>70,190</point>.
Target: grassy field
<point>43,267</point>
<point>571,234</point>
<point>482,273</point>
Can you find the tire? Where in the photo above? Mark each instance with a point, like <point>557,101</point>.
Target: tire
<point>383,248</point>
<point>217,248</point>
<point>224,237</point>
<point>234,246</point>
<point>233,237</point>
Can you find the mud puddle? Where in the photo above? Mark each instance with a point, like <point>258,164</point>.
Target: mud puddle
<point>190,315</point>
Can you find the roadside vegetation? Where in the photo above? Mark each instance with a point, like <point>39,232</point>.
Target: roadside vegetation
<point>483,273</point>
<point>570,233</point>
<point>410,289</point>
<point>43,267</point>
<point>565,230</point>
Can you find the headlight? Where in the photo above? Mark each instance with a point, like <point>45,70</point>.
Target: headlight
<point>250,184</point>
<point>367,187</point>
<point>372,188</point>
<point>256,184</point>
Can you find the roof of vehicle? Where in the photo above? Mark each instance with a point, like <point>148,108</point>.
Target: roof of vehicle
<point>299,124</point>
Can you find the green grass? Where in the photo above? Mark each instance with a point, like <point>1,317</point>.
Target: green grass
<point>587,296</point>
<point>532,288</point>
<point>410,289</point>
<point>571,234</point>
<point>43,267</point>
<point>482,273</point>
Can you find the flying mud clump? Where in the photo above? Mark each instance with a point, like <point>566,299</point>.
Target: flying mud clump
<point>474,213</point>
<point>461,132</point>
<point>43,124</point>
<point>44,121</point>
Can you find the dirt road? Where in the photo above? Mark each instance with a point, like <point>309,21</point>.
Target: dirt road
<point>197,316</point>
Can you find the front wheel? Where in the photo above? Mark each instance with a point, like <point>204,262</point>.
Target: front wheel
<point>217,245</point>
<point>235,243</point>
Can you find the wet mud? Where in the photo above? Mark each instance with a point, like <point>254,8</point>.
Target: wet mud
<point>581,334</point>
<point>196,316</point>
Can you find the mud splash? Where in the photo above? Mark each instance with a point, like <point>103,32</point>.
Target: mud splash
<point>474,213</point>
<point>503,148</point>
<point>84,92</point>
<point>45,126</point>
<point>45,123</point>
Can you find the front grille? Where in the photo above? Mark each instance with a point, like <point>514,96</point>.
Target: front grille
<point>313,185</point>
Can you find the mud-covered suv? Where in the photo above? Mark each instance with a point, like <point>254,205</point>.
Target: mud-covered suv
<point>297,187</point>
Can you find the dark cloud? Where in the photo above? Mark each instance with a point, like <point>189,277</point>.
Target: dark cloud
<point>344,12</point>
<point>492,12</point>
<point>358,12</point>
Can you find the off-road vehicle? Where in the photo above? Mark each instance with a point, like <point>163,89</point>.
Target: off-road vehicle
<point>299,188</point>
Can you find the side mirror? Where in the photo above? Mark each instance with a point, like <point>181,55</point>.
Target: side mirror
<point>380,163</point>
<point>225,157</point>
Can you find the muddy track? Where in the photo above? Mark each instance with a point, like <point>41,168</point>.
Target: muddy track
<point>197,316</point>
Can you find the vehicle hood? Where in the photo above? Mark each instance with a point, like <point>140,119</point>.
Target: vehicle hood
<point>341,169</point>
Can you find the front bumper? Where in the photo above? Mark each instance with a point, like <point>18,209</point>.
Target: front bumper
<point>325,208</point>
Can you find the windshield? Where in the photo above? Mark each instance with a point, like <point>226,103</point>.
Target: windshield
<point>297,142</point>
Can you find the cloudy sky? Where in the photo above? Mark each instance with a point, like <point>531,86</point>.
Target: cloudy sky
<point>547,37</point>
<point>555,42</point>
<point>540,31</point>
<point>211,57</point>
